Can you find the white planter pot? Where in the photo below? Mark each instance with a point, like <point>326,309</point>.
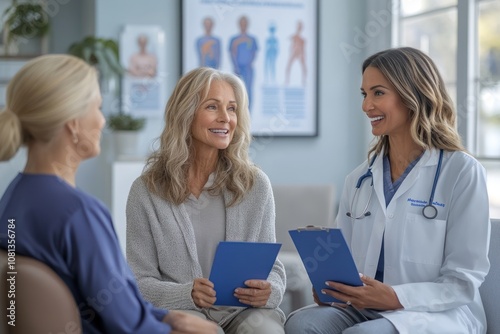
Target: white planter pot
<point>126,143</point>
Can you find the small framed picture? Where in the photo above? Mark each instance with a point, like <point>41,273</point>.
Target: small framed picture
<point>142,54</point>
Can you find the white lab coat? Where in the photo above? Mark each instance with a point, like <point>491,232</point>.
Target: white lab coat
<point>435,266</point>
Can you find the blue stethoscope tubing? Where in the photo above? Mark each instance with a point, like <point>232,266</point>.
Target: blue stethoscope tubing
<point>368,173</point>
<point>429,211</point>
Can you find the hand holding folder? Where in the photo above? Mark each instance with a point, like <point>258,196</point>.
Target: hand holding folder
<point>237,262</point>
<point>326,257</point>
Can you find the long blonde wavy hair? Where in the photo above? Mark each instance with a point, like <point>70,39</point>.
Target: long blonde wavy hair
<point>421,88</point>
<point>166,172</point>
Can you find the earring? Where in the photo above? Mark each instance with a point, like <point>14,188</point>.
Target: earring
<point>75,138</point>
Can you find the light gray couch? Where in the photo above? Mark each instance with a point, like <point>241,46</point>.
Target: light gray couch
<point>490,289</point>
<point>298,206</point>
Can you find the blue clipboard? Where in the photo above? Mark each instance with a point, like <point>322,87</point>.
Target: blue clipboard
<point>237,261</point>
<point>326,257</point>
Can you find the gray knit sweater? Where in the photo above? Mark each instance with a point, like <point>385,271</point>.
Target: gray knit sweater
<point>161,246</point>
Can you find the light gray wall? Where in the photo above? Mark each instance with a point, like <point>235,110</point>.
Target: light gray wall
<point>67,23</point>
<point>343,135</point>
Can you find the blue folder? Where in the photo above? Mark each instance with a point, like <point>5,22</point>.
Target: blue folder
<point>235,262</point>
<point>326,257</point>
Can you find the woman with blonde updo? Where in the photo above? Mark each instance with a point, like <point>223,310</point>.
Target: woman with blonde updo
<point>53,107</point>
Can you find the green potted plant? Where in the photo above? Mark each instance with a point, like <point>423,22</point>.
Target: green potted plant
<point>101,53</point>
<point>27,20</point>
<point>104,55</point>
<point>125,122</point>
<point>126,130</point>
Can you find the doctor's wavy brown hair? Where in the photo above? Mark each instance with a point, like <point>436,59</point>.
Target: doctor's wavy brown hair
<point>422,90</point>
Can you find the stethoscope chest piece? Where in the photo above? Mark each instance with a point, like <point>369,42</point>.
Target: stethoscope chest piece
<point>429,211</point>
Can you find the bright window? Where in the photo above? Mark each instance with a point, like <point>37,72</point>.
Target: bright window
<point>421,6</point>
<point>488,123</point>
<point>435,34</point>
<point>463,38</point>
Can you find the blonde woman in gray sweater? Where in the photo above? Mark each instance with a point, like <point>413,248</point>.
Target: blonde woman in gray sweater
<point>199,188</point>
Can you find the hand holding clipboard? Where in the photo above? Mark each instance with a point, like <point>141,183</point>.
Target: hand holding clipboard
<point>326,257</point>
<point>236,262</point>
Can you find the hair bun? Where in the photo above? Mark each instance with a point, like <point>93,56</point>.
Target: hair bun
<point>10,134</point>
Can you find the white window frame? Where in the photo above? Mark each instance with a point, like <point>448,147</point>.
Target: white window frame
<point>466,62</point>
<point>467,77</point>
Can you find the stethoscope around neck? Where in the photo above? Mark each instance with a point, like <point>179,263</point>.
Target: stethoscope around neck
<point>429,211</point>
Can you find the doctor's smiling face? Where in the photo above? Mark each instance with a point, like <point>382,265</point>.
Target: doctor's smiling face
<point>383,105</point>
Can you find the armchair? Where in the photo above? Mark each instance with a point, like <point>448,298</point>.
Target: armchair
<point>43,302</point>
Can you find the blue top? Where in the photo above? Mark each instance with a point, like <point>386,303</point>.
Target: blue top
<point>72,233</point>
<point>389,191</point>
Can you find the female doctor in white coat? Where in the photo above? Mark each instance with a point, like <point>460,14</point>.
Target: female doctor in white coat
<point>415,214</point>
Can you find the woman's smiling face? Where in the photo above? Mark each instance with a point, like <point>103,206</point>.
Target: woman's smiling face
<point>215,119</point>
